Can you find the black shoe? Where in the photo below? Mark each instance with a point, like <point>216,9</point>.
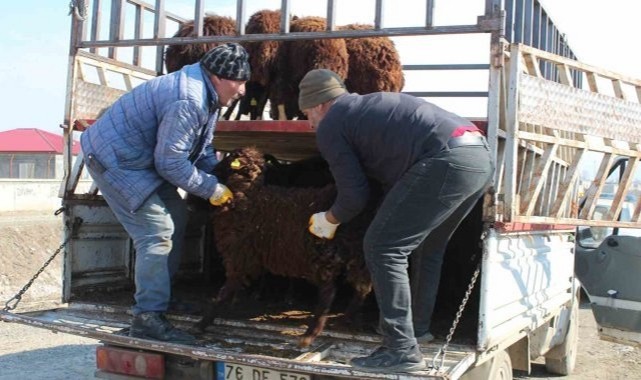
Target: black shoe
<point>154,325</point>
<point>391,361</point>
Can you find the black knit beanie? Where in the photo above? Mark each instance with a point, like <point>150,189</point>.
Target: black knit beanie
<point>228,61</point>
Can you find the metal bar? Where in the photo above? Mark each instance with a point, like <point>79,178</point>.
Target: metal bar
<point>429,13</point>
<point>284,16</point>
<point>159,33</point>
<point>95,22</point>
<point>241,10</point>
<point>378,15</point>
<point>448,94</point>
<point>116,25</point>
<point>151,8</point>
<point>536,25</point>
<point>138,28</point>
<point>389,32</point>
<point>331,16</point>
<point>518,21</point>
<point>199,14</point>
<point>509,20</point>
<point>480,66</point>
<point>527,21</point>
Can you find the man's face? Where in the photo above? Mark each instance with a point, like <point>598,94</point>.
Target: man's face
<point>315,115</point>
<point>228,90</point>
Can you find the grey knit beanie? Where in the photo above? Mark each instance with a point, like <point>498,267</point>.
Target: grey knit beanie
<point>228,61</point>
<point>319,86</point>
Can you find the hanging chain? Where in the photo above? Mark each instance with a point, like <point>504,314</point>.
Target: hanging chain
<point>441,352</point>
<point>13,302</point>
<point>79,8</point>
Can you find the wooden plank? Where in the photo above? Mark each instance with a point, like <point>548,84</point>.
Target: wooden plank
<point>624,186</point>
<point>533,66</point>
<point>618,89</point>
<point>538,180</point>
<point>564,75</point>
<point>598,183</point>
<point>592,82</point>
<point>565,188</point>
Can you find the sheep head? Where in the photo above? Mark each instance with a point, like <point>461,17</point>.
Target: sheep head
<point>241,170</point>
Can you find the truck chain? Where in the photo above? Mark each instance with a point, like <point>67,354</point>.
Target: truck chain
<point>442,351</point>
<point>13,302</point>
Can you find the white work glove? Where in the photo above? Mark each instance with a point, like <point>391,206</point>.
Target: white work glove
<point>221,195</point>
<point>321,227</point>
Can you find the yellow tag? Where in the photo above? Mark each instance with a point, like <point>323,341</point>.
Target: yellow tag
<point>253,102</point>
<point>235,164</point>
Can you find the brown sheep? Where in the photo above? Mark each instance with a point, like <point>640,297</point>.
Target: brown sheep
<point>262,59</point>
<point>264,231</point>
<point>374,63</point>
<point>177,56</point>
<point>300,56</point>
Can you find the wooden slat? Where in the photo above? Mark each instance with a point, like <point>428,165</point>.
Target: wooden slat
<point>564,75</point>
<point>624,186</point>
<point>599,182</point>
<point>564,192</point>
<point>538,180</point>
<point>618,89</point>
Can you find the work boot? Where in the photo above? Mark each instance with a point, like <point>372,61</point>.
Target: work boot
<point>425,338</point>
<point>391,361</point>
<point>154,325</point>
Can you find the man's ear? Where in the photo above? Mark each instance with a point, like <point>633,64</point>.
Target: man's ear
<point>214,80</point>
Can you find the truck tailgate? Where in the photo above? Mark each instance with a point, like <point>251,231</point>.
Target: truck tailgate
<point>251,343</point>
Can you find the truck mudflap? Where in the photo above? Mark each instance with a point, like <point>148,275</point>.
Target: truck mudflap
<point>247,342</point>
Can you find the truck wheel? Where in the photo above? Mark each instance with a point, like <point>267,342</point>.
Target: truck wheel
<point>501,368</point>
<point>561,359</point>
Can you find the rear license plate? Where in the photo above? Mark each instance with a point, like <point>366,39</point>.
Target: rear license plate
<point>231,371</point>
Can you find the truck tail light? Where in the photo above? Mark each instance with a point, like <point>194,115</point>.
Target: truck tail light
<point>130,362</point>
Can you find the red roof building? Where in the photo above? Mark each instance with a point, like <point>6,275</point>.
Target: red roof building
<point>31,153</point>
<point>33,140</point>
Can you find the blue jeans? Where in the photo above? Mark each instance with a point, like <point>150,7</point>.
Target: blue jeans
<point>424,207</point>
<point>157,230</point>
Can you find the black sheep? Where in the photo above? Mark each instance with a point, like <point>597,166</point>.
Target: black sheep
<point>264,231</point>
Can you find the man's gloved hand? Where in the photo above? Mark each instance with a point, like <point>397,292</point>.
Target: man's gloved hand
<point>321,227</point>
<point>221,195</point>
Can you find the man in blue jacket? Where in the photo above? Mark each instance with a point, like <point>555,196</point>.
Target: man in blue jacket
<point>433,165</point>
<point>155,139</point>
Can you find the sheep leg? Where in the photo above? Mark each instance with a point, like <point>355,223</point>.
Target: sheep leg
<point>225,293</point>
<point>326,294</point>
<point>352,315</point>
<point>282,115</point>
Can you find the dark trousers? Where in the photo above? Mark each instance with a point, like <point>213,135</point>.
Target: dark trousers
<point>424,206</point>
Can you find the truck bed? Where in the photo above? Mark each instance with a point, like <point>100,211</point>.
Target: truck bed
<point>254,342</point>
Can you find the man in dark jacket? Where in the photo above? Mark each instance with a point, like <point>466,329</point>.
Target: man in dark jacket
<point>153,140</point>
<point>433,165</point>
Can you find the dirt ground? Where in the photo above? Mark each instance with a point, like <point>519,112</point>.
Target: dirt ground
<point>27,240</point>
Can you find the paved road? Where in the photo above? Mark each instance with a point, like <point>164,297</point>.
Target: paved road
<point>31,353</point>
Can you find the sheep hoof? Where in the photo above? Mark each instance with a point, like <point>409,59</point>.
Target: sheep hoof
<point>305,341</point>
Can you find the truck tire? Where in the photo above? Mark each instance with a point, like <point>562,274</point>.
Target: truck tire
<point>501,368</point>
<point>561,359</point>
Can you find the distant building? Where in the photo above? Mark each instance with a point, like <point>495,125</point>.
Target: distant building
<point>31,153</point>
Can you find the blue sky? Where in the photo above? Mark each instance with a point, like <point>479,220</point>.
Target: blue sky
<point>35,42</point>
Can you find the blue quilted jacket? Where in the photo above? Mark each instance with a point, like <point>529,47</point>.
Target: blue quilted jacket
<point>160,131</point>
